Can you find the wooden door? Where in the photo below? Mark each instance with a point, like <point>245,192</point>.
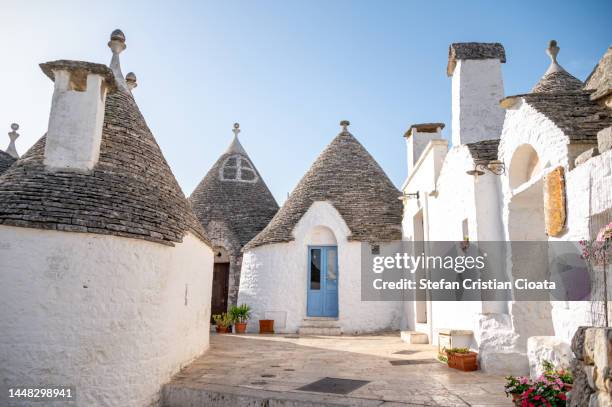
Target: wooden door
<point>322,282</point>
<point>219,289</point>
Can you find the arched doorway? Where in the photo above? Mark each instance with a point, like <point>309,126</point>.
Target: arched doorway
<point>526,232</point>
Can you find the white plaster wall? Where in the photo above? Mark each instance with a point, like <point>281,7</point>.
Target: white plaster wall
<point>115,317</point>
<point>274,278</point>
<point>588,191</point>
<point>525,125</point>
<point>459,196</point>
<point>477,88</point>
<point>523,213</point>
<point>75,123</point>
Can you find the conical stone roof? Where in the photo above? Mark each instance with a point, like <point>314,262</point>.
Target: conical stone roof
<point>563,99</point>
<point>347,176</point>
<point>131,192</point>
<point>232,202</point>
<point>6,160</point>
<point>558,82</point>
<point>556,79</point>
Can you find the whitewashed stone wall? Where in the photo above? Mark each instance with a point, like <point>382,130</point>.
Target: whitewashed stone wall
<point>75,123</point>
<point>457,197</point>
<point>115,317</point>
<point>477,88</point>
<point>274,278</point>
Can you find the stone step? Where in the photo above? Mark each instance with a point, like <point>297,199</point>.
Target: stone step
<point>320,322</point>
<point>323,331</point>
<point>414,337</point>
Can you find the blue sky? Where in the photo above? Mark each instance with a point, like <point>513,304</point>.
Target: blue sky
<point>288,71</point>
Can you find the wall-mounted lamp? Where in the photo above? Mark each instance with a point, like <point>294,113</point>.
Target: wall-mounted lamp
<point>496,167</point>
<point>410,195</point>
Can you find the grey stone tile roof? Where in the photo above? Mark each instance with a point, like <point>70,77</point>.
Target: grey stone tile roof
<point>558,81</point>
<point>347,176</point>
<point>6,160</point>
<point>483,151</point>
<point>579,117</point>
<point>131,192</point>
<point>244,208</point>
<point>600,80</point>
<point>561,98</point>
<point>474,50</point>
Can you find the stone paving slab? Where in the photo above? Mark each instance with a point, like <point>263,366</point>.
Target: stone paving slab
<point>267,370</point>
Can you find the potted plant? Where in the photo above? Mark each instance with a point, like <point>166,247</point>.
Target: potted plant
<point>240,315</point>
<point>544,391</point>
<point>266,326</point>
<point>462,359</point>
<point>222,322</point>
<point>549,389</point>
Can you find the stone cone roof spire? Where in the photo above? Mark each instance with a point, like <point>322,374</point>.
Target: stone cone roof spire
<point>232,202</point>
<point>117,46</point>
<point>131,192</point>
<point>13,135</point>
<point>556,79</point>
<point>347,176</point>
<point>10,156</point>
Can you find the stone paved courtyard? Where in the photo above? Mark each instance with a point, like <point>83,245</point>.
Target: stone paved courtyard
<point>267,370</point>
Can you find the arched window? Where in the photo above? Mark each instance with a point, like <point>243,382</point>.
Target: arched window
<point>238,168</point>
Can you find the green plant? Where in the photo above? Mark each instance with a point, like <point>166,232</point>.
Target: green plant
<point>223,320</point>
<point>458,350</point>
<point>442,358</point>
<point>240,314</point>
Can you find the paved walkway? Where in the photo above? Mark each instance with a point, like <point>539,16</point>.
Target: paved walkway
<point>267,370</point>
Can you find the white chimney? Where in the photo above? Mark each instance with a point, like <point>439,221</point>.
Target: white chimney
<point>477,89</point>
<point>417,138</point>
<point>77,113</point>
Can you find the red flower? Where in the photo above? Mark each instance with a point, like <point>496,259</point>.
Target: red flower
<point>562,396</point>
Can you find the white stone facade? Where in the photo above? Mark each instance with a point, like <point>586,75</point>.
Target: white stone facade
<point>75,123</point>
<point>477,88</point>
<point>274,278</point>
<point>115,317</point>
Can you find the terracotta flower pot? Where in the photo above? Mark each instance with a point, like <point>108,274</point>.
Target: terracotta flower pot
<point>240,327</point>
<point>266,326</point>
<point>222,329</point>
<point>466,362</point>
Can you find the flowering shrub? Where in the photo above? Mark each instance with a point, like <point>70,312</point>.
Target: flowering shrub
<point>598,251</point>
<point>549,389</point>
<point>516,385</point>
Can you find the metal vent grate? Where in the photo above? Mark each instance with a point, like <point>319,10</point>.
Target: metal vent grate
<point>334,385</point>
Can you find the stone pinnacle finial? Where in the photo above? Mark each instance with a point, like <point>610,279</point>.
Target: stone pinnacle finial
<point>11,149</point>
<point>236,129</point>
<point>345,124</point>
<point>117,45</point>
<point>553,51</point>
<point>130,79</point>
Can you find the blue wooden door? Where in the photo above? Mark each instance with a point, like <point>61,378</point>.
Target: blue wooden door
<point>322,281</point>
